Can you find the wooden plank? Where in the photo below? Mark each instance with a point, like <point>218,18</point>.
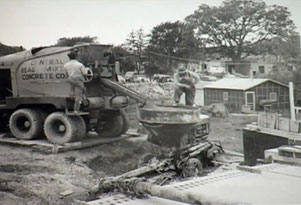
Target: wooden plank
<point>272,155</point>
<point>271,120</point>
<point>274,121</point>
<point>66,193</point>
<point>294,126</point>
<point>268,120</point>
<point>16,141</point>
<point>279,133</point>
<point>47,147</point>
<point>133,132</point>
<point>90,143</point>
<point>249,169</point>
<point>284,124</point>
<point>291,149</point>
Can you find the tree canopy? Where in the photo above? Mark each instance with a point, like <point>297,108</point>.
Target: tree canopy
<point>5,50</point>
<point>238,25</point>
<point>166,38</point>
<point>136,43</point>
<point>75,40</point>
<point>170,40</point>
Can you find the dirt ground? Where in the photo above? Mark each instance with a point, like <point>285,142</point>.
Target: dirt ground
<point>28,177</point>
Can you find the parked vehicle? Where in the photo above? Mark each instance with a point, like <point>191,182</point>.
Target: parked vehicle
<point>161,78</point>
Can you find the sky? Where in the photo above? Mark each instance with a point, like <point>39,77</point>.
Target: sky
<point>33,23</point>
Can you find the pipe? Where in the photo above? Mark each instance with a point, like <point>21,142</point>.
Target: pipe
<point>174,194</point>
<point>96,103</point>
<point>124,90</point>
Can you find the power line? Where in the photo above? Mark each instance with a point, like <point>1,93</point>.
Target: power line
<point>174,57</point>
<point>199,61</point>
<point>222,61</point>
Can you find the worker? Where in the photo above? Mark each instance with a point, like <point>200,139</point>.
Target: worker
<point>185,82</point>
<point>76,75</point>
<point>111,63</point>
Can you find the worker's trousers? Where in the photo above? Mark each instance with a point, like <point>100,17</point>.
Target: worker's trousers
<point>78,90</point>
<point>189,94</point>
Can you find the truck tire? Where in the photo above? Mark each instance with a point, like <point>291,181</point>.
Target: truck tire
<point>192,168</point>
<point>26,124</point>
<point>113,124</point>
<point>60,128</point>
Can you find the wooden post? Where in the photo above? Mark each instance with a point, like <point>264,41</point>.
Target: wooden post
<point>292,102</point>
<point>117,67</point>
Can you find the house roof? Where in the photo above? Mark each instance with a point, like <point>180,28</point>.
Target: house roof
<point>239,83</point>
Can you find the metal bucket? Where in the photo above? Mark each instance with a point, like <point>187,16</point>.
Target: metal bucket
<point>168,124</point>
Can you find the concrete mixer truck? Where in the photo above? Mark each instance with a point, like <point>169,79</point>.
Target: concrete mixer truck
<point>35,96</point>
<point>36,100</point>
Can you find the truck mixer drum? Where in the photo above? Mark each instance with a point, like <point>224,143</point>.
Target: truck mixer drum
<point>168,125</point>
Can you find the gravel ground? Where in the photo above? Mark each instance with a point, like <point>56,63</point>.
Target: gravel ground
<point>28,177</point>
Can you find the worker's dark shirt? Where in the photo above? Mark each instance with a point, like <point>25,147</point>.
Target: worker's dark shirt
<point>189,78</point>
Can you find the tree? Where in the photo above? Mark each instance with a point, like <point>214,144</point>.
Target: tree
<point>285,77</point>
<point>166,39</point>
<point>5,50</point>
<point>237,26</point>
<point>126,59</point>
<point>136,44</point>
<point>189,46</point>
<point>284,49</point>
<point>75,40</point>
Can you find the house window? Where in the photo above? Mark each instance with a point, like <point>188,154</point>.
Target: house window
<point>261,69</point>
<point>273,96</point>
<point>225,96</point>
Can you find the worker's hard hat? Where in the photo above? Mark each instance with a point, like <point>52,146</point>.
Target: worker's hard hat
<point>107,53</point>
<point>182,70</point>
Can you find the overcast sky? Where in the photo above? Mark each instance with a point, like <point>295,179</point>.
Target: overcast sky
<point>33,23</point>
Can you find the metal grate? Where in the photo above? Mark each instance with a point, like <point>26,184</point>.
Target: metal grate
<point>111,200</point>
<point>195,182</point>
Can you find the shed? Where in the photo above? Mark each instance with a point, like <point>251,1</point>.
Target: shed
<point>248,92</point>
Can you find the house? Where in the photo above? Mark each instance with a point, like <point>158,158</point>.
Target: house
<point>258,65</point>
<point>253,93</point>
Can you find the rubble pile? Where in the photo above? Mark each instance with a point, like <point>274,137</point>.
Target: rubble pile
<point>153,90</point>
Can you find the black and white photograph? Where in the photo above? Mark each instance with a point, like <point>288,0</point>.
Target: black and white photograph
<point>150,102</point>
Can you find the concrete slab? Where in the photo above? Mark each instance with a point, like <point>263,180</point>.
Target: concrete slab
<point>274,184</point>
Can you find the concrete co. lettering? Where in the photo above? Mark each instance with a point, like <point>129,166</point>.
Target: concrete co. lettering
<point>44,69</point>
<point>44,76</point>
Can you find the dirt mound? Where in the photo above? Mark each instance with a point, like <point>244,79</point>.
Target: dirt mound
<point>216,110</point>
<point>28,177</point>
<point>24,169</point>
<point>122,157</point>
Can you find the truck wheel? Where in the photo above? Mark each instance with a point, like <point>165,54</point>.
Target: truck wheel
<point>192,168</point>
<point>26,124</point>
<point>60,128</point>
<point>113,124</point>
